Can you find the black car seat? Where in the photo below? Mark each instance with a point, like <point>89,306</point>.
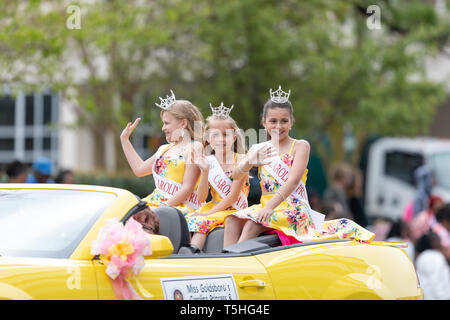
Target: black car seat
<point>214,241</point>
<point>173,225</point>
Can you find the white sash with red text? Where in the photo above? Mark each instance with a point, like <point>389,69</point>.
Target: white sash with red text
<point>222,184</point>
<point>280,171</point>
<point>169,187</point>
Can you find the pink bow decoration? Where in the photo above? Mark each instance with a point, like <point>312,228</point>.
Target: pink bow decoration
<point>122,250</point>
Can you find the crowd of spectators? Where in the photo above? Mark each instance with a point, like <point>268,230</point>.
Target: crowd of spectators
<point>40,171</point>
<point>424,225</point>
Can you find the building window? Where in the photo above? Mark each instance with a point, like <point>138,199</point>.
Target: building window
<point>29,143</point>
<point>47,143</point>
<point>28,127</point>
<point>7,111</point>
<point>29,110</point>
<point>6,144</point>
<point>47,109</point>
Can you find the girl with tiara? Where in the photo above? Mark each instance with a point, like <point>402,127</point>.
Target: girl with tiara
<point>174,174</point>
<point>228,194</point>
<point>284,207</point>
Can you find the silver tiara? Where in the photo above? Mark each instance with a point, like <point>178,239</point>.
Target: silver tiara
<point>279,96</point>
<point>165,104</point>
<point>221,111</point>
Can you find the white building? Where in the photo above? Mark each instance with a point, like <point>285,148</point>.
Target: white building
<point>27,126</point>
<point>40,124</point>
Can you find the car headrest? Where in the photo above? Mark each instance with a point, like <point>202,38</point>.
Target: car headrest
<point>173,225</point>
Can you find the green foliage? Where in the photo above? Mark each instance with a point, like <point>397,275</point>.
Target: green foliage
<point>209,51</point>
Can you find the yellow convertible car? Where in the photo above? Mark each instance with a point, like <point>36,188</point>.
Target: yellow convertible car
<point>46,233</point>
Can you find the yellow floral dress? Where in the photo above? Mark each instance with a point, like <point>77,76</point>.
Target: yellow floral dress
<point>205,224</point>
<point>293,216</point>
<point>172,169</point>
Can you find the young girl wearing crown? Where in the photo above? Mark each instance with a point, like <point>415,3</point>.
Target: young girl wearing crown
<point>284,206</point>
<point>174,174</point>
<point>228,194</point>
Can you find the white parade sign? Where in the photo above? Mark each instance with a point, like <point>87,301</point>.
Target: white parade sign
<point>212,287</point>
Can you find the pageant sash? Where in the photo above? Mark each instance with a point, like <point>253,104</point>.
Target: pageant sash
<point>222,184</point>
<point>169,187</point>
<point>280,172</point>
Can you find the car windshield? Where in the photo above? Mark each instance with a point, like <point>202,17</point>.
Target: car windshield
<point>441,167</point>
<point>47,223</point>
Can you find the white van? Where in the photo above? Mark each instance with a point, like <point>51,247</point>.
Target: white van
<point>390,182</point>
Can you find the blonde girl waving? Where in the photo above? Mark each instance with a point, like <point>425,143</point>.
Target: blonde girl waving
<point>174,173</point>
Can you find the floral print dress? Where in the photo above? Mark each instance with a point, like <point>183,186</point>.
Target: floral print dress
<point>205,224</point>
<point>170,168</point>
<point>293,216</point>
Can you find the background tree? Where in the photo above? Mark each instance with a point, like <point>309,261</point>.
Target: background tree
<point>126,54</point>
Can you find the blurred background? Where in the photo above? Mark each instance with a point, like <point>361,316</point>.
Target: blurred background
<point>73,73</point>
<point>369,81</point>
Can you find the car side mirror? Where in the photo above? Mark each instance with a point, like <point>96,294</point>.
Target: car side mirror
<point>161,246</point>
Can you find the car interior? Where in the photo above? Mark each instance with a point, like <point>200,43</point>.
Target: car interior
<point>173,225</point>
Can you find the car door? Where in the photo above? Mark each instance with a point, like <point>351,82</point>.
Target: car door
<point>205,277</point>
<point>46,278</point>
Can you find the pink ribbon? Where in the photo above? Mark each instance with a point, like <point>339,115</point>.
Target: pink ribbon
<point>122,249</point>
<point>124,290</point>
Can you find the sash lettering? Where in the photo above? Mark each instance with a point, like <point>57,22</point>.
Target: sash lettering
<point>280,171</point>
<point>222,184</point>
<point>169,187</point>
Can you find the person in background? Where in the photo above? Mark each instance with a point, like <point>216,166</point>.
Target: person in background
<point>65,176</point>
<point>381,227</point>
<point>400,232</point>
<point>441,226</point>
<point>331,210</point>
<point>337,192</point>
<point>16,172</point>
<point>314,199</point>
<point>354,196</point>
<point>148,219</point>
<point>432,268</point>
<point>424,181</point>
<point>42,169</point>
<point>423,221</point>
